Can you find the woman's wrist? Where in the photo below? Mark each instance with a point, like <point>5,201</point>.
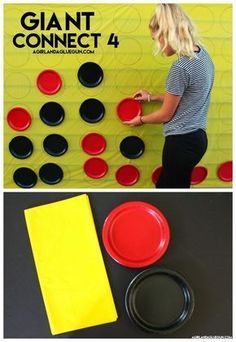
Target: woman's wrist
<point>158,98</point>
<point>141,119</point>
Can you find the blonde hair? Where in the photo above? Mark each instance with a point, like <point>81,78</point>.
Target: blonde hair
<point>176,28</point>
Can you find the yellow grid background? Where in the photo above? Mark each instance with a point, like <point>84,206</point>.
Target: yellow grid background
<point>130,67</point>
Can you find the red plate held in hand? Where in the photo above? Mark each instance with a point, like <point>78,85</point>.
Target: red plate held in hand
<point>19,119</point>
<point>94,144</point>
<point>49,82</point>
<point>136,234</point>
<point>128,109</point>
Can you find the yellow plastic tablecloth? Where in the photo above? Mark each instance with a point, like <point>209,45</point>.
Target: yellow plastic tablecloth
<point>69,264</point>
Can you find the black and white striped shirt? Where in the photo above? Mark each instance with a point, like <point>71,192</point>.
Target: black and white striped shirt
<point>192,79</point>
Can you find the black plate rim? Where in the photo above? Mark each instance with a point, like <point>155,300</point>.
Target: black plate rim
<point>101,115</point>
<point>89,85</point>
<point>34,175</point>
<point>134,156</point>
<point>190,303</point>
<point>49,123</point>
<point>45,180</point>
<point>49,151</point>
<point>25,156</point>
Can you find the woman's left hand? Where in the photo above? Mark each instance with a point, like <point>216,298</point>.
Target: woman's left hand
<point>134,122</point>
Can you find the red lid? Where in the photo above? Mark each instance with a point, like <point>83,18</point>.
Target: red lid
<point>225,171</point>
<point>95,168</point>
<point>19,119</point>
<point>128,109</point>
<point>156,174</point>
<point>136,234</point>
<point>199,174</point>
<point>127,175</point>
<point>93,143</point>
<point>49,82</point>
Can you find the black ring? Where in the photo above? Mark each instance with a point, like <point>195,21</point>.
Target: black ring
<point>55,145</point>
<point>24,177</point>
<point>146,293</point>
<point>132,147</point>
<point>51,173</point>
<point>90,74</point>
<point>92,110</point>
<point>52,113</point>
<point>21,147</point>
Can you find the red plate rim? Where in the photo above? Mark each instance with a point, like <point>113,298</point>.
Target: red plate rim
<point>156,174</point>
<point>203,171</point>
<point>128,183</point>
<point>113,216</point>
<point>87,136</point>
<point>94,160</point>
<point>42,88</point>
<point>221,176</point>
<point>21,109</point>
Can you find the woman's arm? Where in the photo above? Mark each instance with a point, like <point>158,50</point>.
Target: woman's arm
<point>143,95</point>
<point>164,114</point>
<point>158,98</point>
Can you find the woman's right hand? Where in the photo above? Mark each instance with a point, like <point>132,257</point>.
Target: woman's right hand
<point>142,95</point>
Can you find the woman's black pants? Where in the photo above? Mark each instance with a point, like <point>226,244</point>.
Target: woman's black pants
<point>181,153</point>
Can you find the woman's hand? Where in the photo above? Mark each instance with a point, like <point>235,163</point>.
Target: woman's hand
<point>134,122</point>
<point>142,95</point>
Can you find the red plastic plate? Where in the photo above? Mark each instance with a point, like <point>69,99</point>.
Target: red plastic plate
<point>95,168</point>
<point>94,143</point>
<point>19,119</point>
<point>199,174</point>
<point>225,171</point>
<point>128,109</point>
<point>136,234</point>
<point>156,174</point>
<point>127,175</point>
<point>49,82</point>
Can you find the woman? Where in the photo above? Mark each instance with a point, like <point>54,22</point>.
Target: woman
<point>186,101</point>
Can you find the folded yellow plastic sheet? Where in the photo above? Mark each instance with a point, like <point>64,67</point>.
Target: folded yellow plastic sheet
<point>69,264</point>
